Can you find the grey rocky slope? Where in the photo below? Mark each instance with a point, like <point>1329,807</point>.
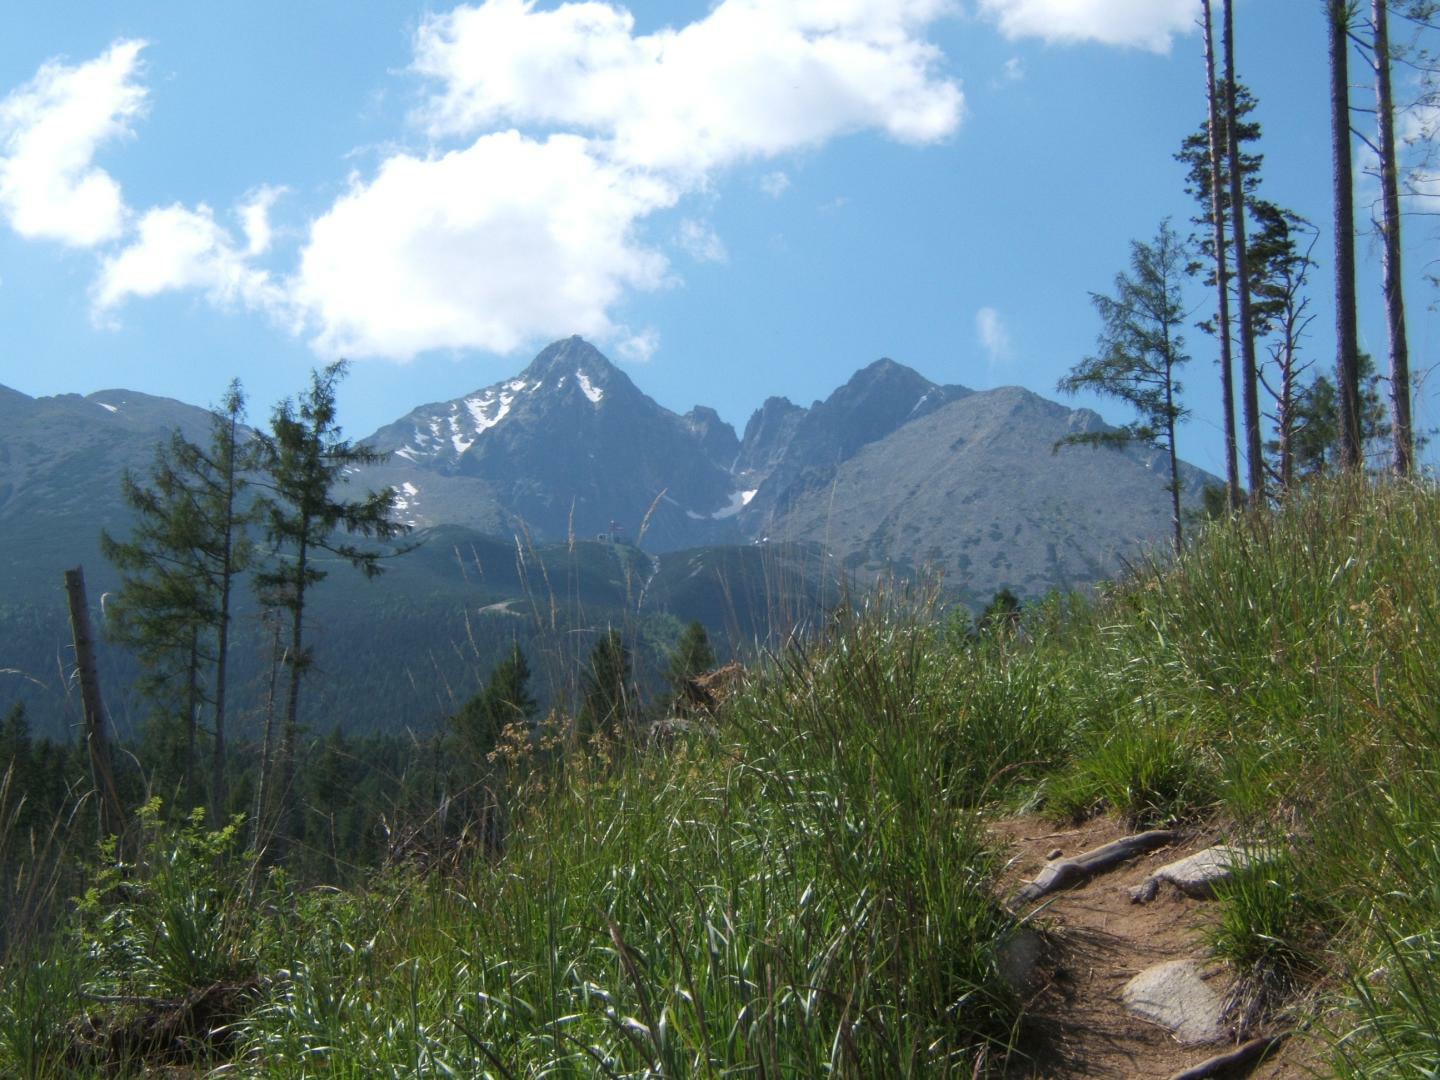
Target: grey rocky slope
<point>977,490</point>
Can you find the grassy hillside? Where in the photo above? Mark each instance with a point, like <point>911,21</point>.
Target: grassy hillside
<point>806,885</point>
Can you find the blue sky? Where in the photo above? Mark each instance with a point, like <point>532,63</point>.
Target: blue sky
<point>733,200</point>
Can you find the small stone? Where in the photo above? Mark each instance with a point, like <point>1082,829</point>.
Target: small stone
<point>1055,854</point>
<point>1175,995</point>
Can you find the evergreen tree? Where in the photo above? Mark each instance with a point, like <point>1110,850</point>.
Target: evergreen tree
<point>16,757</point>
<point>304,460</point>
<point>1141,350</point>
<point>692,656</point>
<point>1283,271</point>
<point>504,700</point>
<point>1001,616</point>
<point>178,569</point>
<point>1318,439</point>
<point>608,701</point>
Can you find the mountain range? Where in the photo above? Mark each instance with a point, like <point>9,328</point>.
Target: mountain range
<point>890,471</point>
<point>566,493</point>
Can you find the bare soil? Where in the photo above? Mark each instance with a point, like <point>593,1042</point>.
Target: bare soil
<point>1096,940</point>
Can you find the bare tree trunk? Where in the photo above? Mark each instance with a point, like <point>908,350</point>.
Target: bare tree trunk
<point>1222,268</point>
<point>1174,465</point>
<point>219,796</point>
<point>192,716</point>
<point>284,793</point>
<point>259,830</point>
<point>1347,349</point>
<point>1401,429</point>
<point>97,739</point>
<point>1249,379</point>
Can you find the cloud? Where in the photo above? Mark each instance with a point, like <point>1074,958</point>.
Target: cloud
<point>50,130</point>
<point>487,247</point>
<point>701,242</point>
<point>1139,24</point>
<point>516,237</point>
<point>177,248</point>
<point>1014,70</point>
<point>254,213</point>
<point>753,79</point>
<point>553,137</point>
<point>775,183</point>
<point>993,335</point>
<point>640,347</point>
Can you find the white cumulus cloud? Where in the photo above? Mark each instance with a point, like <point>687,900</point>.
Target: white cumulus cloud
<point>50,130</point>
<point>1141,24</point>
<point>174,248</point>
<point>514,236</point>
<point>553,137</point>
<point>487,247</point>
<point>993,335</point>
<point>751,80</point>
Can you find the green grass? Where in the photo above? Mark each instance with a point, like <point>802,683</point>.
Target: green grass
<point>807,889</point>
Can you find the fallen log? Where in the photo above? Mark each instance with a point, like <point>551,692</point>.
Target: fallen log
<point>1243,1055</point>
<point>1064,873</point>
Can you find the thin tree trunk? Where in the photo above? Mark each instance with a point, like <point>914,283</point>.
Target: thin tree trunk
<point>284,816</point>
<point>1222,268</point>
<point>1285,422</point>
<point>1347,349</point>
<point>219,796</point>
<point>97,739</point>
<point>1249,379</point>
<point>1401,429</point>
<point>1174,459</point>
<point>267,748</point>
<point>192,716</point>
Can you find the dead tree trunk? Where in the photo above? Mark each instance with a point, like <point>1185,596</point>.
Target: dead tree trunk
<point>1249,368</point>
<point>1222,268</point>
<point>97,740</point>
<point>1402,431</point>
<point>1347,348</point>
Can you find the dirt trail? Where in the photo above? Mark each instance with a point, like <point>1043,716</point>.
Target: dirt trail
<point>1097,940</point>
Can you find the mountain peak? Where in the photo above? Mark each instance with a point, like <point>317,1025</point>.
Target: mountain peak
<point>565,355</point>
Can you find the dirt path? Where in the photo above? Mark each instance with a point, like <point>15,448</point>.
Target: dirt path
<point>1097,940</point>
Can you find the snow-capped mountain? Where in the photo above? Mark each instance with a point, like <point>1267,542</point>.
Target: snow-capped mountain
<point>570,446</point>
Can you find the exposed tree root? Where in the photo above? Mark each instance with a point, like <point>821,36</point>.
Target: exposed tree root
<point>1065,873</point>
<point>1246,1054</point>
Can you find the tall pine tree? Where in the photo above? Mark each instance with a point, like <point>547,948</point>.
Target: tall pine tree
<point>304,461</point>
<point>1141,351</point>
<point>609,698</point>
<point>178,569</point>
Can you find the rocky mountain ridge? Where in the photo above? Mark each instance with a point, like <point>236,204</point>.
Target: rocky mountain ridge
<point>571,447</point>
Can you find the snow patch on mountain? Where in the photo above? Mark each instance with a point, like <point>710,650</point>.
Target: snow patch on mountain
<point>591,391</point>
<point>738,501</point>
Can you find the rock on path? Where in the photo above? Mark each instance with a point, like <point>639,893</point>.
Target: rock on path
<point>1176,995</point>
